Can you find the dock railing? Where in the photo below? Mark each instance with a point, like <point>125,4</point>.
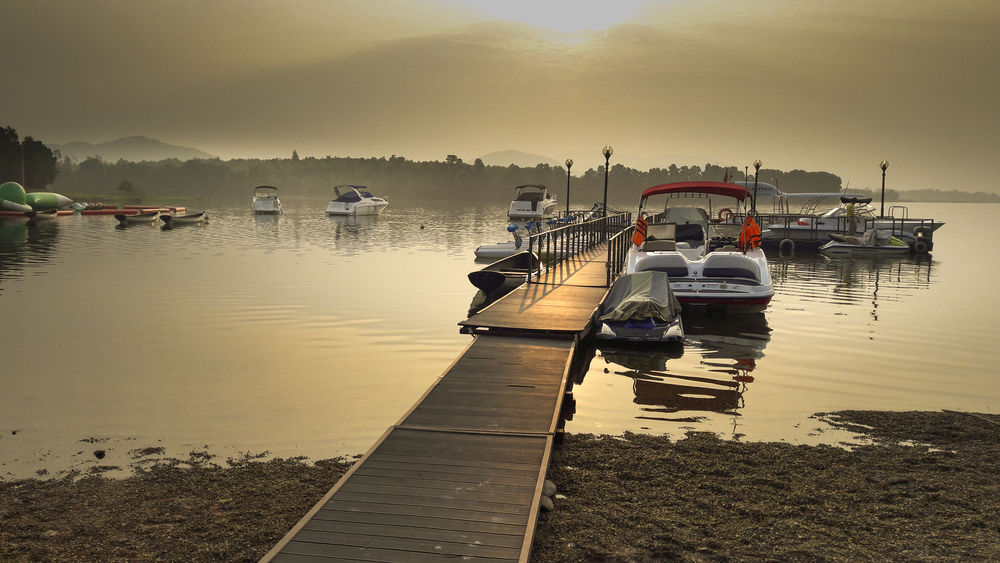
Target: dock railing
<point>559,244</point>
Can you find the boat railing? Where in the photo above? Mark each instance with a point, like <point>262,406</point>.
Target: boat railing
<point>561,243</point>
<point>898,226</point>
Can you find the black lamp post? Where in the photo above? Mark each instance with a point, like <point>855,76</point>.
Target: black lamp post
<point>608,151</point>
<point>756,168</point>
<point>883,166</point>
<point>569,164</point>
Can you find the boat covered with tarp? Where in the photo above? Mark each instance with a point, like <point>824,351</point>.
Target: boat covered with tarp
<point>641,308</point>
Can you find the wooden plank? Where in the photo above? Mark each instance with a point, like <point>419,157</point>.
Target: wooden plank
<point>429,533</point>
<point>328,519</point>
<point>404,511</point>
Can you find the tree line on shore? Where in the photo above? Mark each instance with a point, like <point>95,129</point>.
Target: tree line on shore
<point>397,177</point>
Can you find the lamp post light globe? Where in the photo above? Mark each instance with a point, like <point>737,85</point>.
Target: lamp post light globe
<point>569,164</point>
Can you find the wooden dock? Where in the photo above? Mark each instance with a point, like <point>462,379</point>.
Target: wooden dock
<point>461,474</point>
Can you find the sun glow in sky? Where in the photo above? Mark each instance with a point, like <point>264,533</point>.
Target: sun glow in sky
<point>815,86</point>
<point>560,15</point>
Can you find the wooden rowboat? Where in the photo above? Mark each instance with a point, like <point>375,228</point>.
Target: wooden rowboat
<point>190,219</point>
<point>140,218</point>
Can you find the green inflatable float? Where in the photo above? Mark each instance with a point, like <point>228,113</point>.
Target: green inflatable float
<point>13,198</point>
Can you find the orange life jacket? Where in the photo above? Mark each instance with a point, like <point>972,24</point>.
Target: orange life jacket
<point>640,231</point>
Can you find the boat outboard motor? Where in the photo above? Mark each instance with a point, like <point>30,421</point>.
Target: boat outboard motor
<point>925,239</point>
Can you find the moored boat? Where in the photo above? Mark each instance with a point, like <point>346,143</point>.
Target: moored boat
<point>189,219</point>
<point>711,265</point>
<point>355,200</point>
<point>265,200</point>
<point>531,201</point>
<point>147,218</point>
<point>873,241</point>
<point>641,308</point>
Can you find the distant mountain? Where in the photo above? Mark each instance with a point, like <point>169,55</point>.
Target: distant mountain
<point>134,149</point>
<point>517,158</point>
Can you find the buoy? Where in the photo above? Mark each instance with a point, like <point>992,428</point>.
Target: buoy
<point>724,211</point>
<point>787,245</point>
<point>511,228</point>
<point>920,247</point>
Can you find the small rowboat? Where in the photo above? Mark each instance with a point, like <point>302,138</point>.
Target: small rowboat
<point>190,219</point>
<point>141,218</point>
<point>35,216</point>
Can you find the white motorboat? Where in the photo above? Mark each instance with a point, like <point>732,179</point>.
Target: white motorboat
<point>836,220</point>
<point>640,308</point>
<point>711,265</point>
<point>532,201</point>
<point>355,200</point>
<point>265,200</point>
<point>873,241</point>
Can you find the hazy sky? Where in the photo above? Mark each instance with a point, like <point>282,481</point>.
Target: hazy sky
<point>814,85</point>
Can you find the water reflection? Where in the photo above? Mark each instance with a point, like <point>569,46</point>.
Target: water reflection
<point>710,373</point>
<point>835,279</point>
<point>25,242</point>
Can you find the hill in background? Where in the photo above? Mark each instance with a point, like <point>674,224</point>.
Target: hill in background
<point>134,149</point>
<point>517,158</point>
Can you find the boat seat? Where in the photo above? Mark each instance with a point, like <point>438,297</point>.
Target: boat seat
<point>683,245</point>
<point>674,265</point>
<point>730,266</point>
<point>658,245</point>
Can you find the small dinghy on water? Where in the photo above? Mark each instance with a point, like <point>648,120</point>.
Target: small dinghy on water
<point>641,308</point>
<point>147,218</point>
<point>496,280</point>
<point>873,241</point>
<point>190,219</point>
<point>34,217</point>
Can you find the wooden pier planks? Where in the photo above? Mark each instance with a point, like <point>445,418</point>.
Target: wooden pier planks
<point>460,475</point>
<point>429,496</point>
<point>500,384</point>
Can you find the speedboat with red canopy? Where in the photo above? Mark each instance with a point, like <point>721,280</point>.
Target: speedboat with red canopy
<point>711,264</point>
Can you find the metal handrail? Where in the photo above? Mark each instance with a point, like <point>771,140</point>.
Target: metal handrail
<point>559,244</point>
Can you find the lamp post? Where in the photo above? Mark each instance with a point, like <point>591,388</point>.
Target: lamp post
<point>883,166</point>
<point>756,171</point>
<point>569,164</point>
<point>608,151</point>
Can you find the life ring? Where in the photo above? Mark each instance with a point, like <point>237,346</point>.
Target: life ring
<point>920,247</point>
<point>724,211</point>
<point>787,245</point>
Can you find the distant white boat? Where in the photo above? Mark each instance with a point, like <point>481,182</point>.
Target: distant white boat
<point>355,200</point>
<point>532,201</point>
<point>265,200</point>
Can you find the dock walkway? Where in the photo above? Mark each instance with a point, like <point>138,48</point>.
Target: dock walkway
<point>461,473</point>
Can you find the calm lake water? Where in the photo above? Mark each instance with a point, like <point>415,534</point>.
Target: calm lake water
<point>308,335</point>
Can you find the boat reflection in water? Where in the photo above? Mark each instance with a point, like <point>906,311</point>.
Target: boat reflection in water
<point>671,388</point>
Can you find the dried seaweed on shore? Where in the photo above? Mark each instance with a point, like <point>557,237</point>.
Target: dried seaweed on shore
<point>632,498</point>
<point>177,510</point>
<point>644,498</point>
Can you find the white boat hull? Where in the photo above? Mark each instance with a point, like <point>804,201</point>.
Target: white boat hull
<point>338,208</point>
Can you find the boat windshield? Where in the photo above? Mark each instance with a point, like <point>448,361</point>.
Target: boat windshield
<point>265,191</point>
<point>351,194</point>
<point>531,193</point>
